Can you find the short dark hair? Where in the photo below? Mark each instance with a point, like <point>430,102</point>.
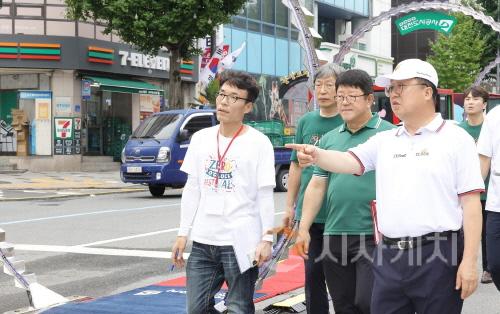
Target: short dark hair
<point>356,78</point>
<point>477,91</point>
<point>241,80</point>
<point>435,94</point>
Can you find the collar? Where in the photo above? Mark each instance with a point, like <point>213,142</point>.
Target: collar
<point>373,123</point>
<point>434,126</point>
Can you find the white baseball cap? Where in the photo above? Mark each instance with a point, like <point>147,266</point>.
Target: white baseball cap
<point>408,69</point>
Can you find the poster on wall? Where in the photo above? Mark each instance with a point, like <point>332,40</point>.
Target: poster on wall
<point>67,136</point>
<point>40,135</point>
<point>148,104</point>
<point>62,107</point>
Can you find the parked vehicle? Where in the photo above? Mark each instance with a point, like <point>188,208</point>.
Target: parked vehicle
<point>155,151</point>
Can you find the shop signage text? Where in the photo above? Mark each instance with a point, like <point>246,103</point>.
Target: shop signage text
<point>140,60</point>
<point>426,20</point>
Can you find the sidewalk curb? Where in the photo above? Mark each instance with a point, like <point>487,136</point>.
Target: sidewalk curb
<point>83,194</point>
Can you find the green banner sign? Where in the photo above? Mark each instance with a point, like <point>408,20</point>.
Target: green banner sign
<point>425,20</point>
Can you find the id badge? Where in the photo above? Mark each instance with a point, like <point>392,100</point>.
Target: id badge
<point>214,203</point>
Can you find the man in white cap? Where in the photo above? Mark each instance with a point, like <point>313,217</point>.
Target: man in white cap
<point>427,187</point>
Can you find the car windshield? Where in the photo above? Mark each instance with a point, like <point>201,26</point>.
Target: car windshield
<point>160,127</point>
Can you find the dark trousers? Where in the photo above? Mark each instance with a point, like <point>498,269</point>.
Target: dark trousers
<point>492,245</point>
<point>347,263</point>
<point>315,286</point>
<point>484,255</point>
<point>421,279</point>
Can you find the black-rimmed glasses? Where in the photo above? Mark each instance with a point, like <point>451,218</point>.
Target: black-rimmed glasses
<point>232,98</point>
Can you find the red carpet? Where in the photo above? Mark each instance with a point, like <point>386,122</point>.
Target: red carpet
<point>289,276</point>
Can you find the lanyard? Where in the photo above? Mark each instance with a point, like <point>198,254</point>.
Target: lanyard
<point>221,158</point>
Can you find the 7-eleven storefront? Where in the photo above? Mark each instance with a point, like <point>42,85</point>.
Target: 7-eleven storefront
<point>80,97</point>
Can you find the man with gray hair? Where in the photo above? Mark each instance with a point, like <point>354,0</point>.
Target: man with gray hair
<point>311,127</point>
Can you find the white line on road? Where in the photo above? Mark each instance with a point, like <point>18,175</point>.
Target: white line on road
<point>128,238</point>
<point>139,235</point>
<point>85,214</point>
<point>94,251</point>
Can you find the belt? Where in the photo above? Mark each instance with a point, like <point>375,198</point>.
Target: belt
<point>412,242</point>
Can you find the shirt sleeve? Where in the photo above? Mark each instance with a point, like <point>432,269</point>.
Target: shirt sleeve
<point>265,166</point>
<point>189,164</point>
<point>366,153</point>
<point>265,203</point>
<point>189,205</point>
<point>484,143</point>
<point>317,171</point>
<point>468,173</point>
<point>298,140</point>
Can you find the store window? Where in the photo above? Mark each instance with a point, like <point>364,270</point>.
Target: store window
<point>29,27</point>
<point>253,9</point>
<point>5,10</point>
<point>28,11</point>
<point>99,33</point>
<point>268,12</point>
<point>281,14</point>
<point>5,26</point>
<point>86,30</point>
<point>61,28</point>
<point>57,13</point>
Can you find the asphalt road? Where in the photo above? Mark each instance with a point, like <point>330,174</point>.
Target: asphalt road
<point>103,245</point>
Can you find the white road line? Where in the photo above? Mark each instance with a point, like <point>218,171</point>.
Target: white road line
<point>94,251</point>
<point>85,214</point>
<point>37,191</point>
<point>128,238</point>
<point>139,236</point>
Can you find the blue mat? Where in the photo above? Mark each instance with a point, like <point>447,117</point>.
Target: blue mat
<point>150,299</point>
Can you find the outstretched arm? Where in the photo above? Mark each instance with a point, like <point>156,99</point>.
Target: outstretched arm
<point>329,160</point>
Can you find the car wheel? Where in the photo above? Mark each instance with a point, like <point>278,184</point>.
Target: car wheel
<point>282,180</point>
<point>157,190</point>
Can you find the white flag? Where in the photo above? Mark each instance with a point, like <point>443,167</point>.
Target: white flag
<point>230,59</point>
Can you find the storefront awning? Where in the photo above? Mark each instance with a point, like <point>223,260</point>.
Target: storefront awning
<point>124,86</point>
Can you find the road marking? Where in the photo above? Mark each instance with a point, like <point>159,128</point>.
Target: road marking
<point>37,191</point>
<point>94,251</point>
<point>129,237</point>
<point>139,235</point>
<point>85,214</point>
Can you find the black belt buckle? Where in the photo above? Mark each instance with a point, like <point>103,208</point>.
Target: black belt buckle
<point>405,244</point>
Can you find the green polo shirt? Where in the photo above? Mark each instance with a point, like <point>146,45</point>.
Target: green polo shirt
<point>349,197</point>
<point>311,127</point>
<point>474,131</point>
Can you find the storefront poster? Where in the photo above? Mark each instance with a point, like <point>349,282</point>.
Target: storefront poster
<point>42,109</point>
<point>86,92</point>
<point>63,106</point>
<point>67,136</point>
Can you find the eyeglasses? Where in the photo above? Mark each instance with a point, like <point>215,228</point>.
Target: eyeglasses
<point>349,98</point>
<point>398,89</point>
<point>327,86</point>
<point>232,98</point>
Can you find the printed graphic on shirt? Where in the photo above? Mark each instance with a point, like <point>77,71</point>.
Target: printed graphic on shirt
<point>224,182</point>
<point>314,140</point>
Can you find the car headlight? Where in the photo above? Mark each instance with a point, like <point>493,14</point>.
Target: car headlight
<point>123,158</point>
<point>163,155</point>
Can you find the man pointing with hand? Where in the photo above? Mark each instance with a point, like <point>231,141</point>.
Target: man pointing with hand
<point>428,182</point>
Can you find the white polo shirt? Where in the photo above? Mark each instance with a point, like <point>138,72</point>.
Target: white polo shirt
<point>488,145</point>
<point>419,178</point>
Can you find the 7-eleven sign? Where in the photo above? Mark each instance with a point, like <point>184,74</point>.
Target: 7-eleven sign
<point>64,128</point>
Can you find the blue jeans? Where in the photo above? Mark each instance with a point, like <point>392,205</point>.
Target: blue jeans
<point>207,268</point>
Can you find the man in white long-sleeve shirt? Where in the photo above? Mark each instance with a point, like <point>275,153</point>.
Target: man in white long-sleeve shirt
<point>227,202</point>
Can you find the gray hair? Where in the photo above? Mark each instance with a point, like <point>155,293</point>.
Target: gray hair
<point>328,70</point>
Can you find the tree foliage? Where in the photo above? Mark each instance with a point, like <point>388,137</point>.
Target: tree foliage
<point>152,24</point>
<point>457,57</point>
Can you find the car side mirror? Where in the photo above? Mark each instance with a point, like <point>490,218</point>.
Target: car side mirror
<point>183,136</point>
